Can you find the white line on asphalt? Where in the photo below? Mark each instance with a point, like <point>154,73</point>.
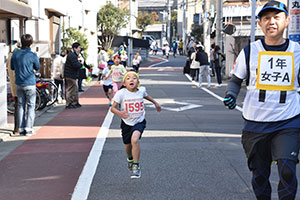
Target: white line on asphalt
<point>210,92</point>
<point>165,61</point>
<point>84,182</point>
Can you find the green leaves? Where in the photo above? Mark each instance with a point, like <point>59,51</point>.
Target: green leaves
<point>144,19</point>
<point>71,35</point>
<point>110,20</point>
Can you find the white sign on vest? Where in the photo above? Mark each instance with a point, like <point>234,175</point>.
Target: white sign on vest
<point>275,71</point>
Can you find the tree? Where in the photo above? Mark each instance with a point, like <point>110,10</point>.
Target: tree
<point>71,35</point>
<point>143,20</point>
<point>110,20</point>
<point>173,23</point>
<point>197,32</point>
<point>155,15</point>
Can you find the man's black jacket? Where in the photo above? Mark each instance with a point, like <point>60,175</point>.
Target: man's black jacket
<point>72,66</point>
<point>202,58</point>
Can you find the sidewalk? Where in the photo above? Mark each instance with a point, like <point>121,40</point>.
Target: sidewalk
<point>5,132</point>
<point>47,165</point>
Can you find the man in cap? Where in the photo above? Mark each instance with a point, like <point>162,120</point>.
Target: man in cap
<point>271,107</point>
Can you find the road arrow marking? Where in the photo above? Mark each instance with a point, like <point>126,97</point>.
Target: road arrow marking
<point>186,106</point>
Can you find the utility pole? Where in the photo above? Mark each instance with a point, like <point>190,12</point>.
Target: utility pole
<point>169,22</point>
<point>219,23</point>
<point>184,25</point>
<point>130,40</point>
<point>253,6</point>
<point>206,26</point>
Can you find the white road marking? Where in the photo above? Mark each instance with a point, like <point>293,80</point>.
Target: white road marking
<point>210,92</point>
<point>165,61</point>
<point>84,182</point>
<point>186,106</point>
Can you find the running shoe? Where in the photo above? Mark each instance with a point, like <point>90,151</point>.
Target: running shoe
<point>130,163</point>
<point>136,171</point>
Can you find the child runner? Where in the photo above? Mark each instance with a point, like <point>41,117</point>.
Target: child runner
<point>107,83</point>
<point>132,111</point>
<point>135,63</point>
<point>272,105</point>
<point>117,71</point>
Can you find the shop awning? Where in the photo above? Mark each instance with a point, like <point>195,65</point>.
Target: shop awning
<point>14,9</point>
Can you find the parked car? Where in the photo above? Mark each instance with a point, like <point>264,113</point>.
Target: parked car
<point>150,38</point>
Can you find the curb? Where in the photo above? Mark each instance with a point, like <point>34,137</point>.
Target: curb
<point>6,132</point>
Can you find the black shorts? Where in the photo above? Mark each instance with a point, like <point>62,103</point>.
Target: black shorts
<point>128,130</point>
<point>262,149</point>
<point>107,87</point>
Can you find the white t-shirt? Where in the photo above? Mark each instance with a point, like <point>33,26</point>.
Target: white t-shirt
<point>108,81</point>
<point>133,103</point>
<point>124,57</point>
<point>135,62</point>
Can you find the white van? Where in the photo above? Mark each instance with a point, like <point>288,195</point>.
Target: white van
<point>150,38</point>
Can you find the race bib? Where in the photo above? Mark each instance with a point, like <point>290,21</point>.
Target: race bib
<point>134,107</point>
<point>276,71</point>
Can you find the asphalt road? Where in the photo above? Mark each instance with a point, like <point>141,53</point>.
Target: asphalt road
<point>191,150</point>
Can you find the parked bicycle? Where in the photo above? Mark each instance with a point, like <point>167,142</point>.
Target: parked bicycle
<point>48,91</point>
<point>46,94</point>
<point>11,100</point>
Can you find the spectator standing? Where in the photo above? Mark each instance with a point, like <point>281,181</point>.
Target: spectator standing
<point>174,47</point>
<point>25,62</point>
<point>117,71</point>
<point>211,56</point>
<point>82,72</point>
<point>195,66</point>
<point>180,47</point>
<point>218,59</point>
<point>271,107</point>
<point>124,59</point>
<point>202,57</point>
<point>132,112</point>
<point>12,81</point>
<point>71,73</point>
<point>58,72</point>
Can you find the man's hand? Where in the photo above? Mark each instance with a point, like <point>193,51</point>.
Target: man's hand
<point>229,101</point>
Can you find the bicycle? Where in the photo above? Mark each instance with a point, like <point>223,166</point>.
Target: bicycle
<point>48,91</point>
<point>11,101</point>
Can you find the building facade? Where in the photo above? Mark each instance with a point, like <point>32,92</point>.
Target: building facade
<point>44,20</point>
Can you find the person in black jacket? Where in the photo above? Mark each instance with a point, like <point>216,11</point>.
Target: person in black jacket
<point>218,58</point>
<point>204,66</point>
<point>71,73</point>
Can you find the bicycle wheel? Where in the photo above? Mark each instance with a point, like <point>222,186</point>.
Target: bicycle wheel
<point>11,102</point>
<point>38,99</point>
<point>53,93</point>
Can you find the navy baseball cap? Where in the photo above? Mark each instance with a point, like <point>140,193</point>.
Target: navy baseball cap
<point>275,5</point>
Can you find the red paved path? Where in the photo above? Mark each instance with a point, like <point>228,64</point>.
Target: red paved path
<point>47,165</point>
